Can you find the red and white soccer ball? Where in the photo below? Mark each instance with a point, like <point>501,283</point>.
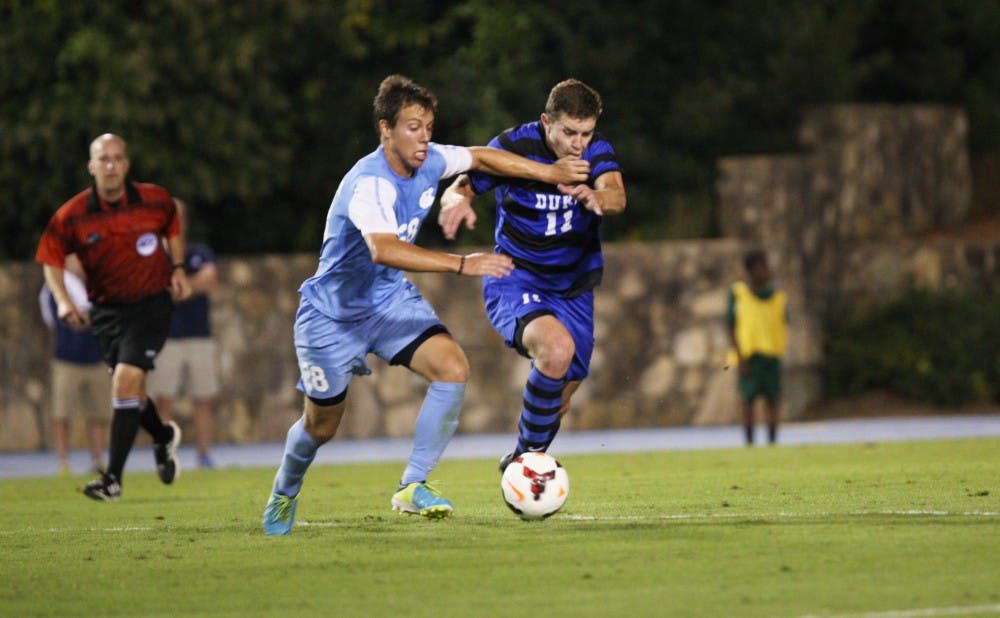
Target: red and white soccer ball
<point>535,485</point>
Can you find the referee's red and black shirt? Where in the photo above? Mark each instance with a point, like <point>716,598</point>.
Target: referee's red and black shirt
<point>120,245</point>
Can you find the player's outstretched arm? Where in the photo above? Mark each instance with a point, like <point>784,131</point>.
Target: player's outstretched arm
<point>496,162</point>
<point>388,250</point>
<point>606,198</point>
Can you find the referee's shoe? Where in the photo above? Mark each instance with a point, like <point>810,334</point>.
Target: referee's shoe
<point>168,467</point>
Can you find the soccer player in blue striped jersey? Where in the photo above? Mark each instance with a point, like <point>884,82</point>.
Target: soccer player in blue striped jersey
<point>358,301</point>
<point>545,308</point>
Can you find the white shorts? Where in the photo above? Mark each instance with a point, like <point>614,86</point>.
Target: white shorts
<point>185,367</point>
<point>83,388</point>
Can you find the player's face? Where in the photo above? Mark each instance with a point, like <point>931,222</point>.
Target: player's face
<point>109,166</point>
<point>568,136</point>
<point>406,143</point>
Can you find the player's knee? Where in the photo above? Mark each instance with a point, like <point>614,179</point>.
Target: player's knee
<point>127,380</point>
<point>555,356</point>
<point>322,421</point>
<point>453,369</point>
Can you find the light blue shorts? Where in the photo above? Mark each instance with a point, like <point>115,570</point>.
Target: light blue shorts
<point>331,352</point>
<point>510,305</point>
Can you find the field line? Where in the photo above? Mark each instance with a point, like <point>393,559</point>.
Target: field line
<point>967,610</point>
<point>568,517</point>
<point>780,515</point>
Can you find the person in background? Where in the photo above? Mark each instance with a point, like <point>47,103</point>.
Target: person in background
<point>359,301</point>
<point>757,317</point>
<point>80,381</point>
<point>545,309</point>
<point>117,229</point>
<point>188,364</point>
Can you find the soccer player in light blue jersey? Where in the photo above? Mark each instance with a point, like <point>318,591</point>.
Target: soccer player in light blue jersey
<point>545,308</point>
<point>359,302</point>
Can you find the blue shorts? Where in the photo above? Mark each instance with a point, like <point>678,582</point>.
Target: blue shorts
<point>331,352</point>
<point>510,305</point>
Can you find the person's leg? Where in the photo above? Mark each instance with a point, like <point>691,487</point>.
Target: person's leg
<point>60,441</point>
<point>772,388</point>
<point>443,363</point>
<point>551,348</point>
<point>746,407</point>
<point>93,399</point>
<point>126,397</point>
<point>64,396</point>
<point>317,425</point>
<point>201,361</point>
<point>749,390</point>
<point>772,420</point>
<point>204,426</point>
<point>164,407</point>
<point>96,431</point>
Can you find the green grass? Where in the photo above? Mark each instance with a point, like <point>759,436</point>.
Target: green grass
<point>787,531</point>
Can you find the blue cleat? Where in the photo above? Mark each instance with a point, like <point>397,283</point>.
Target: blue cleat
<point>422,499</point>
<point>279,515</point>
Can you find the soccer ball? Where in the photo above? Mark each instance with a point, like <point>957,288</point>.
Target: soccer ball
<point>535,485</point>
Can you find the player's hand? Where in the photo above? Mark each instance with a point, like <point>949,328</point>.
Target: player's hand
<point>180,287</point>
<point>492,264</point>
<point>70,315</point>
<point>456,207</point>
<point>570,170</point>
<point>585,196</point>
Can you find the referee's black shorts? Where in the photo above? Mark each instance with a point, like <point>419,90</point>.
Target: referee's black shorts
<point>132,333</point>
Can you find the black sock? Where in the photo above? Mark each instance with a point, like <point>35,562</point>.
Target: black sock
<point>748,430</point>
<point>124,427</point>
<point>152,423</point>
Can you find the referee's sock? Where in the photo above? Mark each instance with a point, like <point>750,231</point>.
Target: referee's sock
<point>124,427</point>
<point>152,423</point>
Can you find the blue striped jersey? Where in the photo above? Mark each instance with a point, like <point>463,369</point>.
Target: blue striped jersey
<point>554,241</point>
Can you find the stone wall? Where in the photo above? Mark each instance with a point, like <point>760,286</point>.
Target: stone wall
<point>866,174</point>
<point>659,357</point>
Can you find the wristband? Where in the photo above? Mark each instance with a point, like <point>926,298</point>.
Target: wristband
<point>461,266</point>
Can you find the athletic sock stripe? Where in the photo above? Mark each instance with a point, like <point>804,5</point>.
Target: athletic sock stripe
<point>539,419</point>
<point>539,427</point>
<point>540,411</point>
<point>543,393</point>
<point>122,404</point>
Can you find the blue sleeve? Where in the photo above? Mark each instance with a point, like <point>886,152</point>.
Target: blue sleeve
<point>481,183</point>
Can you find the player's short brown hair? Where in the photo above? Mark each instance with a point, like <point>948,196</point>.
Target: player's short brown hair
<point>575,99</point>
<point>396,92</point>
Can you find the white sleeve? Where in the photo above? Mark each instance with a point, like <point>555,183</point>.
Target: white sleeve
<point>77,291</point>
<point>44,300</point>
<point>371,206</point>
<point>457,159</point>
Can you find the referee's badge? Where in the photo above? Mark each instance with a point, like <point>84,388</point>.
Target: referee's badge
<point>146,245</point>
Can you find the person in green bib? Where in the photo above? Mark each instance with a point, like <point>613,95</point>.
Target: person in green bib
<point>757,316</point>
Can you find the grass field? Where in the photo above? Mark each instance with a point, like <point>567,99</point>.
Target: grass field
<point>891,529</point>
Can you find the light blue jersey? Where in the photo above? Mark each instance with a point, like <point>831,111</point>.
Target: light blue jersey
<point>372,198</point>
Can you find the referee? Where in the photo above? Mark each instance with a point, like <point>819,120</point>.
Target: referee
<point>117,228</point>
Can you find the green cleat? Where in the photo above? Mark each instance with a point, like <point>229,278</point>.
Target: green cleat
<point>279,515</point>
<point>422,499</point>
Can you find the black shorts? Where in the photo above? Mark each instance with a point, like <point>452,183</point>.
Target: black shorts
<point>132,333</point>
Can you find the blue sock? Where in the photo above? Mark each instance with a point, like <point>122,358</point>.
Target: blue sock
<point>435,426</point>
<point>540,414</point>
<point>300,450</point>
